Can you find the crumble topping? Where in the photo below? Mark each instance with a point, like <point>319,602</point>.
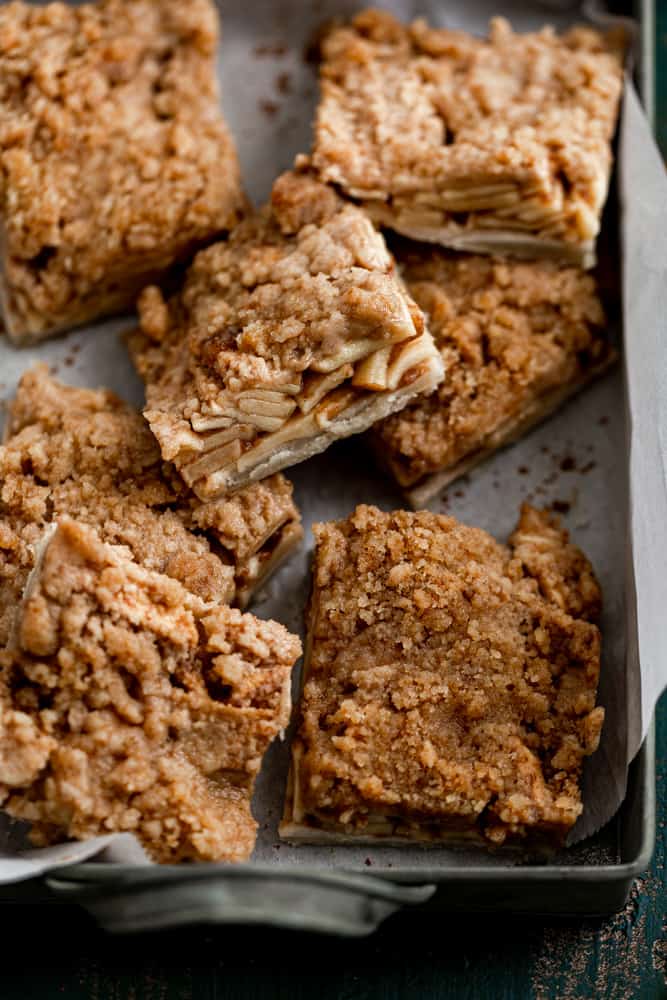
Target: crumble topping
<point>129,704</point>
<point>441,134</point>
<point>450,681</point>
<point>509,333</point>
<point>85,453</point>
<point>279,340</point>
<point>115,161</point>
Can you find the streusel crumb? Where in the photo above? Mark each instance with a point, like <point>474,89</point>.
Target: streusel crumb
<point>450,685</point>
<point>115,161</point>
<point>294,331</point>
<point>85,453</point>
<point>510,335</point>
<point>475,143</point>
<point>127,704</point>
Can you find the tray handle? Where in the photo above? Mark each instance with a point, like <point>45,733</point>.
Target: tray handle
<point>130,898</point>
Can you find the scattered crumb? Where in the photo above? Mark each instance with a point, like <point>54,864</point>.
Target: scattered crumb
<point>587,468</point>
<point>284,83</point>
<point>523,470</point>
<point>268,108</point>
<point>592,959</point>
<point>568,463</point>
<point>659,952</point>
<point>603,421</point>
<point>561,506</point>
<point>270,49</point>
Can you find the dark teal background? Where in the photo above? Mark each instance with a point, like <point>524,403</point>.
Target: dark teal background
<point>57,952</point>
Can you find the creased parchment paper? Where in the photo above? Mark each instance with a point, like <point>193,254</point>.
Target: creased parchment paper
<point>577,461</point>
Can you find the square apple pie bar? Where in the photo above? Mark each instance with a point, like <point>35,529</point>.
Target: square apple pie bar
<point>128,704</point>
<point>86,454</point>
<point>450,684</point>
<point>115,161</point>
<point>517,339</point>
<point>491,145</point>
<point>295,331</point>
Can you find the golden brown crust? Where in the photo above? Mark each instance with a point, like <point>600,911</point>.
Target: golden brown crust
<point>511,334</point>
<point>115,161</point>
<point>293,332</point>
<point>448,692</point>
<point>85,453</point>
<point>129,705</point>
<point>454,139</point>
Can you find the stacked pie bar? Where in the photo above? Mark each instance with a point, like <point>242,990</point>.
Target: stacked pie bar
<point>129,704</point>
<point>294,332</point>
<point>501,146</point>
<point>115,161</point>
<point>449,684</point>
<point>86,454</point>
<point>493,145</point>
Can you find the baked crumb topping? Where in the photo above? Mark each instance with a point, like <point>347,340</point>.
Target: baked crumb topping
<point>280,340</point>
<point>129,704</point>
<point>85,453</point>
<point>440,134</point>
<point>509,334</point>
<point>450,681</point>
<point>115,161</point>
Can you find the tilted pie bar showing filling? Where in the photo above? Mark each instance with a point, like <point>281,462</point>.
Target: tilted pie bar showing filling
<point>498,145</point>
<point>129,704</point>
<point>85,453</point>
<point>450,683</point>
<point>294,332</point>
<point>115,160</point>
<point>516,338</point>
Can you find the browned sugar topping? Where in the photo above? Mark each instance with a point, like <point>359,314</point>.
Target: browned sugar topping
<point>266,345</point>
<point>114,158</point>
<point>451,682</point>
<point>509,333</point>
<point>85,453</point>
<point>128,704</point>
<point>437,129</point>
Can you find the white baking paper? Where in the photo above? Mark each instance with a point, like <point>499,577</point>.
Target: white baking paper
<point>578,460</point>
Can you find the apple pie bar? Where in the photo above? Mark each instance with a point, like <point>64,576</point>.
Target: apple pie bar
<point>87,454</point>
<point>128,704</point>
<point>115,161</point>
<point>295,331</point>
<point>450,684</point>
<point>516,339</point>
<point>491,145</point>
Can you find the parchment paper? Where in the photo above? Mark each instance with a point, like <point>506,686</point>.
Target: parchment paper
<point>578,461</point>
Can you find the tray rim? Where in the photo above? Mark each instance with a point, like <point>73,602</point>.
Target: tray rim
<point>92,876</point>
<point>95,873</point>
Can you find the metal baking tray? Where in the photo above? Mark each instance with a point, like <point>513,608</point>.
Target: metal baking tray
<point>351,891</point>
